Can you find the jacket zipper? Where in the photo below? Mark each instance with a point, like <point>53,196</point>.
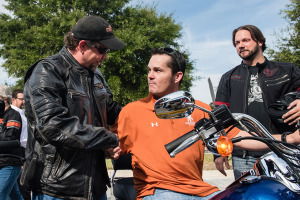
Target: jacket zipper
<point>277,79</point>
<point>87,87</point>
<point>279,82</point>
<point>70,94</point>
<point>246,93</point>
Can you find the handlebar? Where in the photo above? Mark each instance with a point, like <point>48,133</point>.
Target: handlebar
<point>282,163</point>
<point>204,130</point>
<point>174,144</point>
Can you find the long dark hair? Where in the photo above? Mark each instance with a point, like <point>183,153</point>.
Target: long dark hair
<point>255,33</point>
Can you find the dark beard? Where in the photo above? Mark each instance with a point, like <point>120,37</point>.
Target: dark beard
<point>93,67</point>
<point>252,54</point>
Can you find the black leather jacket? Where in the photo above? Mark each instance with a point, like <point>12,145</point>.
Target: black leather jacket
<point>67,109</point>
<point>275,78</point>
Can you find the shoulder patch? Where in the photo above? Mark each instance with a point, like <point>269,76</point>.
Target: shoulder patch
<point>236,77</point>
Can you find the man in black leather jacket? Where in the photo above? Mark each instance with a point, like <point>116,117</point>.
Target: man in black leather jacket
<point>254,85</point>
<point>69,105</point>
<point>10,156</point>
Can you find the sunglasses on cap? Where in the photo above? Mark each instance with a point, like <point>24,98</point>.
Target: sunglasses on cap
<point>173,53</point>
<point>102,50</point>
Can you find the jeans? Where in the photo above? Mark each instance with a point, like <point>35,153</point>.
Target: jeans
<point>8,183</point>
<point>160,194</point>
<point>240,165</point>
<point>41,196</point>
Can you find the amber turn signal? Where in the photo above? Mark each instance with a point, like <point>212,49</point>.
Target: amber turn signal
<point>224,146</point>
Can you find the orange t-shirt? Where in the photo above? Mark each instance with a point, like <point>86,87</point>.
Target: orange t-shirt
<point>144,135</point>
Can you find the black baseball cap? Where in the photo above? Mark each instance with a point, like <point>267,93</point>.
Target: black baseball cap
<point>97,29</point>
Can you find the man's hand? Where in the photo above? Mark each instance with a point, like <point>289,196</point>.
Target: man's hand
<point>292,116</point>
<point>113,153</point>
<point>220,166</point>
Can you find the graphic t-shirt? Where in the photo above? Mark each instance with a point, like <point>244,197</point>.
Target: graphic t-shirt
<point>256,107</point>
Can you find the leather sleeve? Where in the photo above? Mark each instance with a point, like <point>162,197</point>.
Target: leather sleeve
<point>223,91</point>
<point>296,77</point>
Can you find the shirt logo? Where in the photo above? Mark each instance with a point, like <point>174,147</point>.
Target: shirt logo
<point>190,121</point>
<point>254,92</point>
<point>154,124</point>
<point>269,72</point>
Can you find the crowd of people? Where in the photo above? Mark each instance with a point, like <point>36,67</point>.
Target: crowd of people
<point>73,124</point>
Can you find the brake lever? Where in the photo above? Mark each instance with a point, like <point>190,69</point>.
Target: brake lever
<point>204,130</point>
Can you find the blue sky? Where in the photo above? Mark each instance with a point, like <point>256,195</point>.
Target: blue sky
<point>207,28</point>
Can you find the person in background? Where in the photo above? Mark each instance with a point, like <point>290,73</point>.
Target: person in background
<point>10,157</point>
<point>251,87</point>
<point>18,104</point>
<point>69,105</point>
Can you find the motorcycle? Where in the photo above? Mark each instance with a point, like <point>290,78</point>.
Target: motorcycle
<point>275,174</point>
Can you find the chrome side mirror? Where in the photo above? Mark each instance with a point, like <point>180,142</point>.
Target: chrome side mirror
<point>175,105</point>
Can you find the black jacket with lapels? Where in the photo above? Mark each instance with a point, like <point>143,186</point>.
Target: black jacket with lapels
<point>68,107</point>
<point>275,78</point>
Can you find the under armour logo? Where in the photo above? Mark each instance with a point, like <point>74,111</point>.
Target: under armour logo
<point>154,124</point>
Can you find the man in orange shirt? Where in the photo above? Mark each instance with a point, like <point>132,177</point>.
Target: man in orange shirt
<point>141,133</point>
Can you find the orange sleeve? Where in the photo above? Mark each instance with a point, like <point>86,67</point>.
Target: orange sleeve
<point>13,124</point>
<point>123,128</point>
<point>232,133</point>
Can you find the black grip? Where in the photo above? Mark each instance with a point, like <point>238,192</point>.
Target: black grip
<point>9,144</point>
<point>175,143</point>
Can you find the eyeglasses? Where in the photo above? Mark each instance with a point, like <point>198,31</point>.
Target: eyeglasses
<point>102,50</point>
<point>20,99</point>
<point>173,53</point>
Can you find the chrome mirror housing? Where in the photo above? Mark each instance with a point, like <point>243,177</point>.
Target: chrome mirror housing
<point>174,105</point>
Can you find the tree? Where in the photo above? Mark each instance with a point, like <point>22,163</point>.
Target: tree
<point>288,47</point>
<point>37,27</point>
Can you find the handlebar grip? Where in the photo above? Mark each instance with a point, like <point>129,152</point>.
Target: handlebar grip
<point>9,144</point>
<point>175,143</point>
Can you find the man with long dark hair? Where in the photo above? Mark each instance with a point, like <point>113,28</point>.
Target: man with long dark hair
<point>252,86</point>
